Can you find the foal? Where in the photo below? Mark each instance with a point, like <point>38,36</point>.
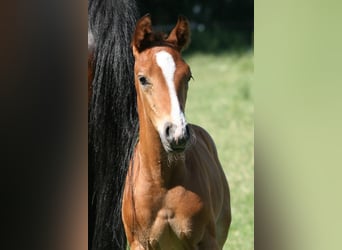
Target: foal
<point>176,195</point>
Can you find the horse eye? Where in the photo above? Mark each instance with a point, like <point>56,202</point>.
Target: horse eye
<point>143,80</point>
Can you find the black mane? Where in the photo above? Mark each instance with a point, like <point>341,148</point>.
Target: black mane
<point>112,120</point>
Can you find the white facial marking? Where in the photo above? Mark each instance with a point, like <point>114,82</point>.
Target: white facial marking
<point>167,64</point>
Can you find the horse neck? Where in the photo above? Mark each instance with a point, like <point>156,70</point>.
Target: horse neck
<point>154,161</point>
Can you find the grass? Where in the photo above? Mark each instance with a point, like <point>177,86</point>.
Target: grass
<point>220,100</point>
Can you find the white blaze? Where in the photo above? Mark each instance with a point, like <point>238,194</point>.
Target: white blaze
<point>167,64</point>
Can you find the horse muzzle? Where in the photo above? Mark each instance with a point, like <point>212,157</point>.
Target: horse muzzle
<point>175,138</point>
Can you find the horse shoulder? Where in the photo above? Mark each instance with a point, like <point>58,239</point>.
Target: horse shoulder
<point>206,152</point>
<point>202,137</point>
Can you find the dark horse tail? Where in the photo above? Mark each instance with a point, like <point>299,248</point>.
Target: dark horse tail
<point>112,120</point>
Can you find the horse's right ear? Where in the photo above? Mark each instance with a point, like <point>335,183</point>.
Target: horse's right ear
<point>142,34</point>
<point>180,35</point>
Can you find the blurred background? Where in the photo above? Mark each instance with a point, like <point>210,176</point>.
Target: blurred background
<point>220,99</point>
<point>216,24</point>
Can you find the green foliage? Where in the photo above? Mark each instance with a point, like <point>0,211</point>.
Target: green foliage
<point>220,100</point>
<point>216,39</point>
<point>232,13</point>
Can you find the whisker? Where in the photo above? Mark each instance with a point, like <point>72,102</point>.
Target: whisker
<point>192,139</point>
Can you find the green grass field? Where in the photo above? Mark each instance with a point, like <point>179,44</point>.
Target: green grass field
<point>220,100</point>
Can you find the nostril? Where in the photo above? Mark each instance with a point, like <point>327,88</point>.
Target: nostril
<point>168,131</point>
<point>187,132</point>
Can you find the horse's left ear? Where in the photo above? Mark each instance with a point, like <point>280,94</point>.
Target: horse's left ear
<point>142,34</point>
<point>180,35</point>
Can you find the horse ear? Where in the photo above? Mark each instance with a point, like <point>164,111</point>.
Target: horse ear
<point>142,34</point>
<point>180,35</point>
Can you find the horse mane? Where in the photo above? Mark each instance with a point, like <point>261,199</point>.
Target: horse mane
<point>154,39</point>
<point>112,118</point>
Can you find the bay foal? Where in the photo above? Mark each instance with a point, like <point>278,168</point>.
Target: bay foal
<point>176,195</point>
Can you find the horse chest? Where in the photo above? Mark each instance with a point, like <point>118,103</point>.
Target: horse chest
<point>174,219</point>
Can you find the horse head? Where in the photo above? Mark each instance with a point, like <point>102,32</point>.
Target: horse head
<point>161,80</point>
